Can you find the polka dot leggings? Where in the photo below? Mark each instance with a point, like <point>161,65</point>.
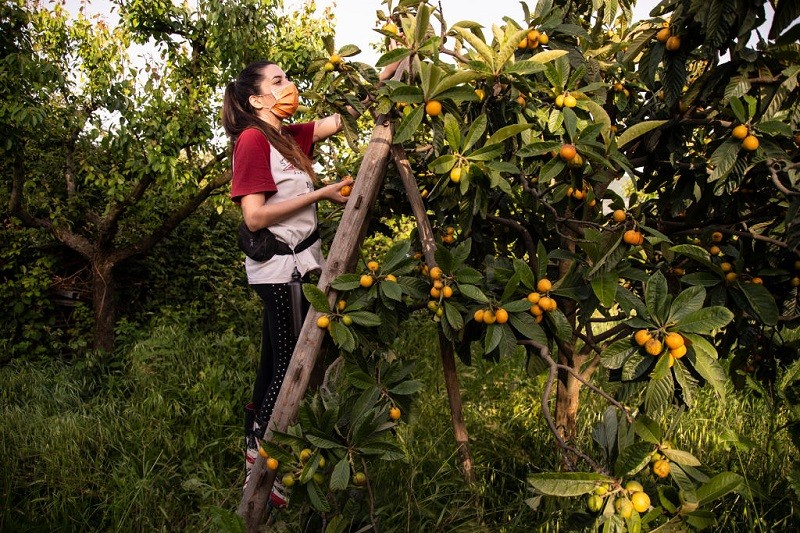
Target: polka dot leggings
<point>277,345</point>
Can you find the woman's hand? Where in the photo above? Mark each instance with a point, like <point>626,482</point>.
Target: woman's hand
<point>333,192</point>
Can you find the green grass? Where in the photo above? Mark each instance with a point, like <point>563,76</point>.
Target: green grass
<point>150,441</point>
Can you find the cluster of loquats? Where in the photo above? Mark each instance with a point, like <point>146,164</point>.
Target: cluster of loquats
<point>742,133</point>
<point>671,42</point>
<point>633,237</point>
<point>449,236</point>
<point>566,100</point>
<point>335,62</point>
<point>441,289</point>
<point>628,499</point>
<point>533,39</point>
<point>366,281</point>
<point>491,315</point>
<point>653,342</point>
<point>541,302</point>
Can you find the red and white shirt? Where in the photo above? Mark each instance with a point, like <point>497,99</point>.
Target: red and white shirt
<point>259,168</point>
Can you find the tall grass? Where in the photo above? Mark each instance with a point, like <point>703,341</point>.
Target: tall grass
<point>151,441</point>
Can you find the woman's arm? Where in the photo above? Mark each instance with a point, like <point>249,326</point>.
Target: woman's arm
<point>258,214</point>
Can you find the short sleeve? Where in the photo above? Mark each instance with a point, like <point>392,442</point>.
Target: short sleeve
<point>303,133</point>
<point>251,166</point>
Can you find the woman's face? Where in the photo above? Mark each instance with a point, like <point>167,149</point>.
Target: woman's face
<point>274,79</point>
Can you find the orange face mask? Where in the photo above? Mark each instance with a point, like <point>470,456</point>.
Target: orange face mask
<point>286,101</point>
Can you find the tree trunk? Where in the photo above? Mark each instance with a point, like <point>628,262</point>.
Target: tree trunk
<point>341,258</point>
<point>568,399</point>
<point>103,305</point>
<point>454,398</point>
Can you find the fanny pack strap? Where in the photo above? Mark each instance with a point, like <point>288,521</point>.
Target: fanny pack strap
<point>284,249</point>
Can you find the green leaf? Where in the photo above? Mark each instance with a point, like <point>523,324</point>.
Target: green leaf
<point>475,133</point>
<point>346,282</point>
<point>526,277</point>
<point>442,164</point>
<point>633,458</point>
<point>687,383</point>
<point>322,443</point>
<point>705,320</point>
<point>452,132</point>
<point>686,303</point>
<point>718,486</point>
<point>697,253</point>
<point>454,318</point>
<point>409,125</point>
<point>615,355</point>
<point>317,497</point>
<point>648,429</point>
<point>526,325</point>
<point>659,394</point>
<point>738,110</point>
<point>538,148</point>
<point>494,334</point>
<point>342,336</point>
<point>551,169</point>
<point>723,159</point>
<point>605,287</point>
<point>392,56</point>
<point>636,366</point>
<point>365,318</point>
<point>391,290</point>
<point>509,131</point>
<point>406,388</point>
<point>681,457</point>
<point>340,477</point>
<point>562,326</point>
<point>637,130</point>
<point>316,297</point>
<point>566,484</point>
<point>477,43</point>
<point>549,55</point>
<point>656,297</point>
<point>710,369</point>
<point>473,293</point>
<point>760,302</point>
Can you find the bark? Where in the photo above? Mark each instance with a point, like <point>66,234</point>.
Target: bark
<point>341,258</point>
<point>454,398</point>
<point>103,306</point>
<point>568,399</point>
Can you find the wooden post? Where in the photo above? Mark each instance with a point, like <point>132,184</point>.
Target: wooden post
<point>341,259</point>
<point>445,346</point>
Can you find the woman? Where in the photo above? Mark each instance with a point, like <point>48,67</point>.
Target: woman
<point>273,181</point>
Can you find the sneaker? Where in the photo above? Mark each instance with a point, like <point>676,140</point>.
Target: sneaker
<point>277,498</point>
<point>250,442</point>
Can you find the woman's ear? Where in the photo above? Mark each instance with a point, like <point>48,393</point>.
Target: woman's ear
<point>255,101</point>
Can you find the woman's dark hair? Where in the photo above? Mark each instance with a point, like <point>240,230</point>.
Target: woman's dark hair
<point>238,115</point>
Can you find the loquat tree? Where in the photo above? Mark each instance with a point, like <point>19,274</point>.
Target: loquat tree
<point>616,196</point>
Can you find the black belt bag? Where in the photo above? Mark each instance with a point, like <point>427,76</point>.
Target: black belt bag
<point>262,245</point>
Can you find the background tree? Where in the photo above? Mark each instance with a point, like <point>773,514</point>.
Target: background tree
<point>108,156</point>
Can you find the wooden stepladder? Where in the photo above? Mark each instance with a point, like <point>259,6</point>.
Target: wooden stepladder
<point>341,259</point>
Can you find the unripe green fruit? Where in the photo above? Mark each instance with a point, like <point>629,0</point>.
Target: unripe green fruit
<point>595,503</point>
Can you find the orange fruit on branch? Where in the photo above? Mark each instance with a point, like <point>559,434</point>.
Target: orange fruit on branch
<point>433,108</point>
<point>674,340</point>
<point>642,336</point>
<point>653,347</point>
<point>739,132</point>
<point>567,152</point>
<point>750,143</point>
<point>673,43</point>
